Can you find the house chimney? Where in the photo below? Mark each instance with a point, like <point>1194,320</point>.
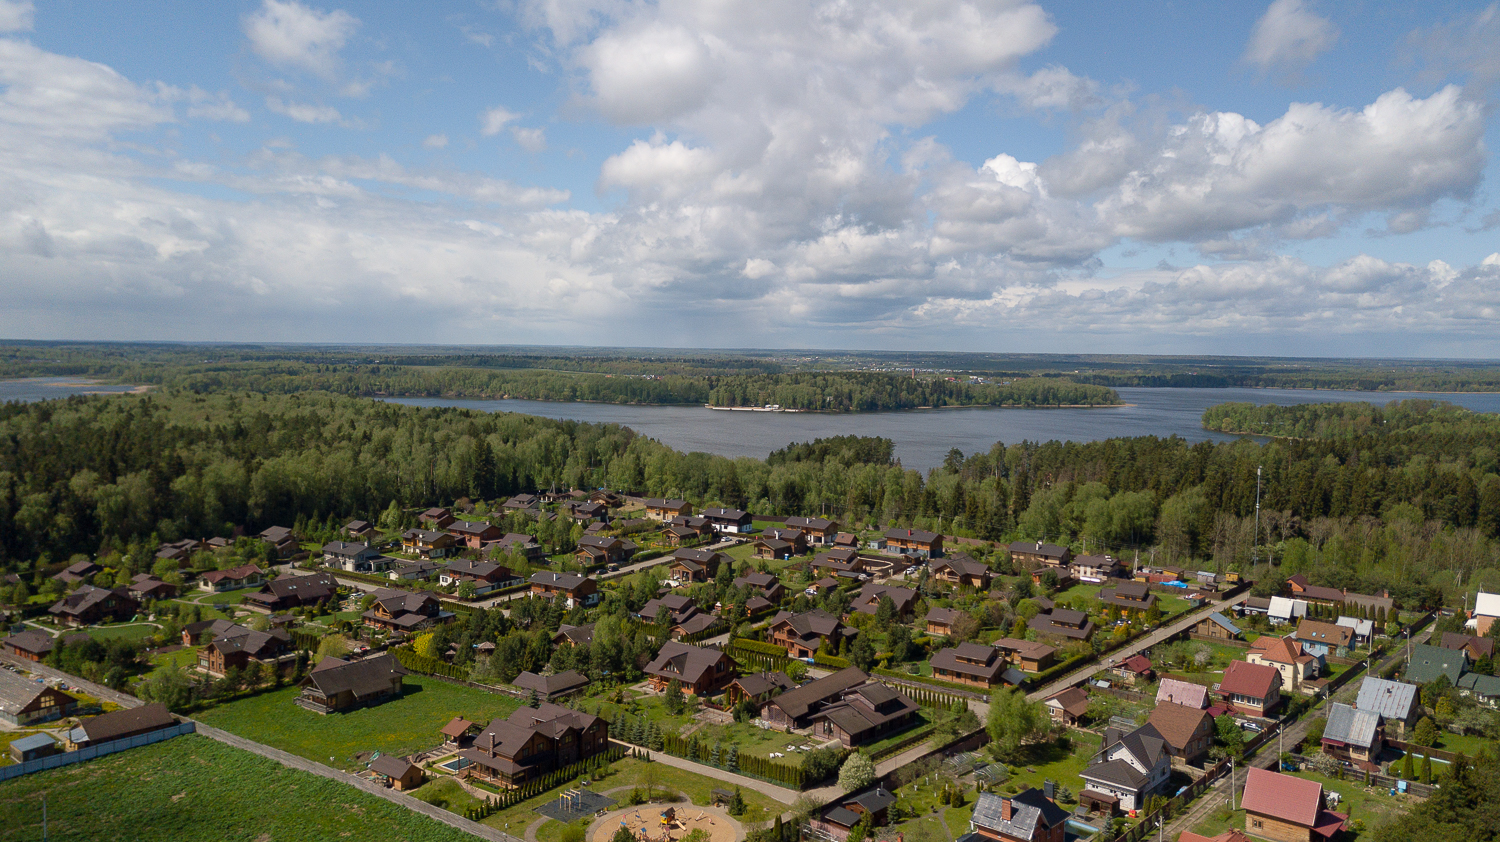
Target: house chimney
<point>1005,809</point>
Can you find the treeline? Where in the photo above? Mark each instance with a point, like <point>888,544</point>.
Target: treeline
<point>1350,420</point>
<point>1357,379</point>
<point>854,391</point>
<point>851,450</point>
<point>1411,508</point>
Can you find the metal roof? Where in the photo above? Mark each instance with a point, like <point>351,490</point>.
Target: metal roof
<point>1391,699</point>
<point>1351,726</point>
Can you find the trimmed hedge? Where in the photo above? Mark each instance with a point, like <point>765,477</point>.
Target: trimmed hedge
<point>831,661</point>
<point>758,647</point>
<point>534,788</point>
<point>427,666</point>
<point>925,679</point>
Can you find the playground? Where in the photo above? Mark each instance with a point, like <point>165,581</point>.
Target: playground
<point>667,823</point>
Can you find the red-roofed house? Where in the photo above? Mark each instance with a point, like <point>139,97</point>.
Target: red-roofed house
<point>1252,688</point>
<point>1287,656</point>
<point>1286,808</point>
<point>1134,670</point>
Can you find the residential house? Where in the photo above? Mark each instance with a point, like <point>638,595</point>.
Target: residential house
<point>699,525</point>
<point>1301,589</point>
<point>586,512</point>
<point>233,579</point>
<point>678,607</point>
<point>839,818</point>
<point>182,551</point>
<point>1353,734</point>
<point>961,569</point>
<point>677,536</point>
<point>796,708</point>
<point>1484,689</point>
<point>89,605</point>
<point>818,530</point>
<point>398,773</point>
<point>1428,662</point>
<point>765,584</point>
<point>758,688</point>
<point>940,620</point>
<point>1393,700</point>
<point>973,664</point>
<point>475,534</point>
<point>865,714</point>
<point>574,589</point>
<point>1252,688</point>
<point>595,550</point>
<point>1029,655</point>
<point>1134,670</point>
<point>695,565</point>
<point>1486,610</point>
<point>35,645</point>
<point>359,530</point>
<point>1069,707</point>
<point>867,601</point>
<point>574,635</point>
<point>1041,556</point>
<point>801,635</point>
<point>1132,598</point>
<point>281,539</point>
<point>1286,655</point>
<point>700,672</point>
<point>485,575</point>
<point>1188,731</point>
<point>427,544</point>
<point>608,498</point>
<point>1027,816</point>
<point>24,702</point>
<point>144,586</point>
<point>1323,639</point>
<point>436,518</point>
<point>1062,624</point>
<point>658,508</point>
<point>336,684</point>
<point>354,558</point>
<point>1178,692</point>
<point>534,741</point>
<point>733,521</point>
<point>846,539</point>
<point>916,542</point>
<point>1255,605</point>
<point>1284,610</point>
<point>518,543</point>
<point>217,544</point>
<point>1286,808</point>
<point>234,646</point>
<point>555,686</point>
<point>839,561</point>
<point>397,610</point>
<point>120,725</point>
<point>1217,627</point>
<point>522,503</point>
<point>1094,568</point>
<point>1361,630</point>
<point>291,591</point>
<point>1127,769</point>
<point>1472,645</point>
<point>78,571</point>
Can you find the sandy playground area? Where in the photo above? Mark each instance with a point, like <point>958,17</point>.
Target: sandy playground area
<point>645,822</point>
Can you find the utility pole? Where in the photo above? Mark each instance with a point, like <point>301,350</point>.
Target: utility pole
<point>1231,784</point>
<point>1255,545</point>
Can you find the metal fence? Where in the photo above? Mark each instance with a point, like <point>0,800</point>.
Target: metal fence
<point>93,751</point>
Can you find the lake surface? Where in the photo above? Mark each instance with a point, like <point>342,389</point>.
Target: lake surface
<point>45,388</point>
<point>924,437</point>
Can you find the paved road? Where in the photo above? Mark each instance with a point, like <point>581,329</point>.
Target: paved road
<point>99,691</point>
<point>782,794</point>
<point>1164,633</point>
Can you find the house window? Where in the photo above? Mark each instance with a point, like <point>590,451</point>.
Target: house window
<point>1257,823</point>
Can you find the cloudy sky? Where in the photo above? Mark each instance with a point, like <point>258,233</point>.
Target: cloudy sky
<point>1303,177</point>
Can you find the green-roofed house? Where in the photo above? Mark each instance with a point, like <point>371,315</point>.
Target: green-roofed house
<point>1485,689</point>
<point>1429,662</point>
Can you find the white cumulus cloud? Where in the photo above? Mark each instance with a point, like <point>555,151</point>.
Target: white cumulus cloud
<point>1288,37</point>
<point>289,34</point>
<point>16,15</point>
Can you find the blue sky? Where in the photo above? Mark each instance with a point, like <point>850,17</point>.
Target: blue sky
<point>1295,177</point>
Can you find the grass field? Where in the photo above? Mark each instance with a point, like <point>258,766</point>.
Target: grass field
<point>192,789</point>
<point>182,657</point>
<point>227,597</point>
<point>8,737</point>
<point>1040,762</point>
<point>400,726</point>
<point>135,631</point>
<point>1371,805</point>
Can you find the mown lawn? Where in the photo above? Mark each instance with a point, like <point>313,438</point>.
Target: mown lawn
<point>399,726</point>
<point>227,597</point>
<point>192,789</point>
<point>760,742</point>
<point>136,631</point>
<point>8,737</point>
<point>182,657</point>
<point>1040,762</point>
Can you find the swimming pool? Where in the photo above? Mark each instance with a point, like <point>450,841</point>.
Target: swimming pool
<point>457,764</point>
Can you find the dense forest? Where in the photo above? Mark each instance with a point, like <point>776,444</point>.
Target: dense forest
<point>848,391</point>
<point>1350,420</point>
<point>1415,509</point>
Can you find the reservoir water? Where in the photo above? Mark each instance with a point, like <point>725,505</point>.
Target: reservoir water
<point>45,388</point>
<point>924,437</point>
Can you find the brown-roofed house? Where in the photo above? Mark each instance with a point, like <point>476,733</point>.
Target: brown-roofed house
<point>534,741</point>
<point>594,550</point>
<point>120,724</point>
<point>1189,731</point>
<point>336,684</point>
<point>35,644</point>
<point>865,713</point>
<point>1029,655</point>
<point>795,708</point>
<point>917,542</point>
<point>233,646</point>
<point>1063,624</point>
<point>575,589</point>
<point>1476,647</point>
<point>397,772</point>
<point>233,579</point>
<point>1287,657</point>
<point>658,508</point>
<point>89,605</point>
<point>288,592</point>
<point>973,664</point>
<point>758,688</point>
<point>556,686</point>
<point>435,518</point>
<point>474,534</point>
<point>818,530</point>
<point>867,601</point>
<point>1133,598</point>
<point>1325,639</point>
<point>1068,707</point>
<point>699,671</point>
<point>1040,556</point>
<point>25,702</point>
<point>765,584</point>
<point>427,544</point>
<point>940,620</point>
<point>961,569</point>
<point>802,634</point>
<point>457,732</point>
<point>695,565</point>
<point>394,609</point>
<point>1286,808</point>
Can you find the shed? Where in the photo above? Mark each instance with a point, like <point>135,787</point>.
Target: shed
<point>33,747</point>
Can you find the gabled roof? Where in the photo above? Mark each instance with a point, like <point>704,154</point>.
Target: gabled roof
<point>1487,605</point>
<point>1330,634</point>
<point>362,678</point>
<point>1223,622</point>
<point>548,685</point>
<point>580,635</point>
<point>962,565</point>
<point>1279,650</point>
<point>764,682</point>
<point>683,662</point>
<point>1178,723</point>
<point>17,692</point>
<point>809,623</point>
<point>112,725</point>
<point>1027,649</point>
<point>799,702</point>
<point>1484,686</point>
<point>1287,608</point>
<point>1391,699</point>
<point>1468,642</point>
<point>561,581</point>
<point>1179,692</point>
<point>391,766</point>
<point>1361,628</point>
<point>1029,810</point>
<point>1351,726</point>
<point>1429,662</point>
<point>1247,679</point>
<point>456,727</point>
<point>1038,548</point>
<point>1286,797</point>
<point>919,536</point>
<point>1074,700</point>
<point>726,514</point>
<point>942,616</point>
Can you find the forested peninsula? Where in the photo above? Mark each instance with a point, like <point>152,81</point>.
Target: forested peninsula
<point>1414,509</point>
<point>1350,420</point>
